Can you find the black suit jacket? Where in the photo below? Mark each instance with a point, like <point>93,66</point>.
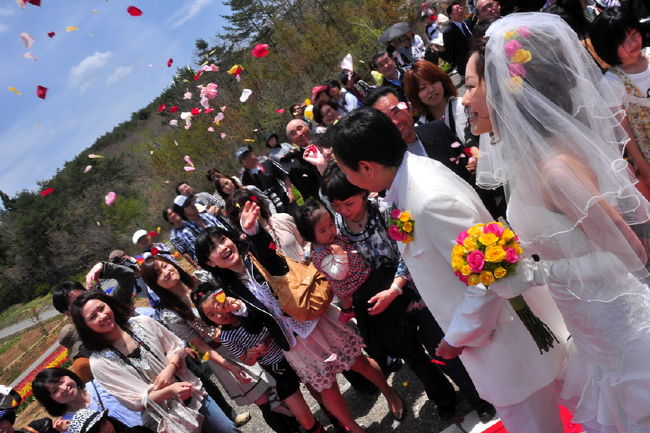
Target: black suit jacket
<point>456,47</point>
<point>437,138</point>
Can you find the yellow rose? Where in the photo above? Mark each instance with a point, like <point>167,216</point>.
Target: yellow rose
<point>476,230</point>
<point>488,239</point>
<point>457,263</point>
<point>495,254</point>
<point>473,280</point>
<point>521,56</point>
<point>518,249</point>
<point>408,239</point>
<point>404,216</point>
<point>500,272</point>
<point>470,243</point>
<point>507,235</point>
<point>407,227</point>
<point>486,278</point>
<point>458,251</point>
<point>501,242</point>
<point>466,270</point>
<point>511,34</point>
<point>514,85</point>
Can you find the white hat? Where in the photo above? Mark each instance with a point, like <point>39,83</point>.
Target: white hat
<point>137,235</point>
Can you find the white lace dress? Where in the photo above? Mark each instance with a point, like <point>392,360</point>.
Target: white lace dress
<point>607,378</point>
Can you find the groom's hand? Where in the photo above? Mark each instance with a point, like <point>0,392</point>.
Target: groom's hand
<point>447,351</point>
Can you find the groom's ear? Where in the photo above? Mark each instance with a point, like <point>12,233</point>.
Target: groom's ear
<point>366,168</point>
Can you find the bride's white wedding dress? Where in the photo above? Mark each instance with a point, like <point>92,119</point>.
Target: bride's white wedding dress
<point>607,378</point>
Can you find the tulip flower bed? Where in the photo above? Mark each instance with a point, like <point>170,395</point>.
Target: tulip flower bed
<point>55,359</point>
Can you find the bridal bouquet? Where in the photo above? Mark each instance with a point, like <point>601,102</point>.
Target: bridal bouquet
<point>486,253</point>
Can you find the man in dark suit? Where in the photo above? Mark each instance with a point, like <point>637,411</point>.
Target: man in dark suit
<point>456,37</point>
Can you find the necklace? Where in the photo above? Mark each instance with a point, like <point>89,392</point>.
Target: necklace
<point>359,224</point>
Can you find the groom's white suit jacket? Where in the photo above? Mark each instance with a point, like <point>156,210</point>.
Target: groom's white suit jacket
<point>500,355</point>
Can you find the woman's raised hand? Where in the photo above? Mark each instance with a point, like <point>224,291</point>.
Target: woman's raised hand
<point>249,216</point>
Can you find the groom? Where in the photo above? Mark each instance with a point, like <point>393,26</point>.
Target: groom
<point>496,348</point>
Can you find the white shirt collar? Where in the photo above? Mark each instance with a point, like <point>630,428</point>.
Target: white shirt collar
<point>392,193</point>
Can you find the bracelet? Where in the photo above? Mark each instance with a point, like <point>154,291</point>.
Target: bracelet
<point>397,288</point>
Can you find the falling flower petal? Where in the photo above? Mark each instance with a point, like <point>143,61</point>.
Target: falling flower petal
<point>13,89</point>
<point>435,361</point>
<point>41,92</point>
<point>110,198</point>
<point>347,63</point>
<point>279,110</point>
<point>210,68</point>
<point>88,168</point>
<point>218,118</point>
<point>152,233</point>
<point>98,224</point>
<point>205,102</point>
<point>211,90</point>
<point>208,110</point>
<point>47,191</point>
<point>187,159</point>
<point>95,11</point>
<point>173,122</point>
<point>235,70</point>
<point>309,112</point>
<point>245,94</point>
<point>198,75</point>
<point>195,111</point>
<point>333,357</point>
<point>307,101</point>
<point>185,115</point>
<point>161,108</point>
<point>170,62</point>
<point>173,108</point>
<point>260,50</point>
<point>28,41</point>
<point>402,106</point>
<point>210,129</point>
<point>71,28</point>
<point>188,123</point>
<point>249,140</point>
<point>223,108</point>
<point>21,3</point>
<point>405,384</point>
<point>133,11</point>
<point>29,55</point>
<point>223,135</point>
<point>378,77</point>
<point>255,130</point>
<point>187,95</point>
<point>51,34</point>
<point>94,156</point>
<point>186,168</point>
<point>34,2</point>
<point>151,152</point>
<point>455,144</point>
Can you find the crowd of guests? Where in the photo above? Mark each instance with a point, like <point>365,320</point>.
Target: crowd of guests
<point>224,315</point>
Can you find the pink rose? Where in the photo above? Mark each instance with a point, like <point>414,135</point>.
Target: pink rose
<point>511,255</point>
<point>395,213</point>
<point>394,233</point>
<point>523,31</point>
<point>461,277</point>
<point>476,260</point>
<point>517,70</point>
<point>493,228</point>
<point>511,47</point>
<point>461,237</point>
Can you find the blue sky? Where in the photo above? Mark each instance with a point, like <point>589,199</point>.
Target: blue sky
<point>97,76</point>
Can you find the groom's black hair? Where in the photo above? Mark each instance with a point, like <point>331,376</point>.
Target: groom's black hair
<point>366,134</point>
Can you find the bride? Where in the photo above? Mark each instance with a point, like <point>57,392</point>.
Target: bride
<point>557,149</point>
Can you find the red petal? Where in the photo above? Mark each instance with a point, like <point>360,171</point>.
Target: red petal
<point>41,92</point>
<point>253,198</point>
<point>153,233</point>
<point>195,111</point>
<point>133,11</point>
<point>260,50</point>
<point>208,110</point>
<point>154,251</point>
<point>173,108</point>
<point>161,108</point>
<point>467,152</point>
<point>280,110</point>
<point>51,34</point>
<point>198,75</point>
<point>170,62</point>
<point>47,191</point>
<point>34,2</point>
<point>273,246</point>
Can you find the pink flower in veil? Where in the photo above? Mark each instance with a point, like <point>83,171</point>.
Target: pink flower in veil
<point>523,31</point>
<point>511,47</point>
<point>517,70</point>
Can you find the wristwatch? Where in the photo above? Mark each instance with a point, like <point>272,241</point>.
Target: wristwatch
<point>397,288</point>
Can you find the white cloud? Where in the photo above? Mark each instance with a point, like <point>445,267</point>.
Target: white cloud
<point>119,73</point>
<point>4,28</point>
<point>88,65</point>
<point>193,10</point>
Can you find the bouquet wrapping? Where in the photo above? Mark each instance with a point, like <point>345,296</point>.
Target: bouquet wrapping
<point>485,253</point>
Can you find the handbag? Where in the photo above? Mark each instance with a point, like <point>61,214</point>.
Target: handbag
<point>303,292</point>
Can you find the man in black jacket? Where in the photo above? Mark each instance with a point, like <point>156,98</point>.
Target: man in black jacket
<point>456,38</point>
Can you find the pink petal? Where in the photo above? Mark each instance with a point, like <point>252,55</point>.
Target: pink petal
<point>188,160</point>
<point>27,40</point>
<point>260,50</point>
<point>188,122</point>
<point>189,168</point>
<point>223,135</point>
<point>279,110</point>
<point>210,129</point>
<point>219,117</point>
<point>110,198</point>
<point>88,168</point>
<point>223,108</point>
<point>187,95</point>
<point>173,122</point>
<point>402,106</point>
<point>29,55</point>
<point>455,144</point>
<point>205,102</point>
<point>333,357</point>
<point>208,110</point>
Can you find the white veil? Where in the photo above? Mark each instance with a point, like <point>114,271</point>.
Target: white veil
<point>558,153</point>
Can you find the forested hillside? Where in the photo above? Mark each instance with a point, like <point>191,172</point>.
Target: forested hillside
<point>45,239</point>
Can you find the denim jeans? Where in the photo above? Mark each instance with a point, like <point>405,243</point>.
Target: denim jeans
<point>215,420</point>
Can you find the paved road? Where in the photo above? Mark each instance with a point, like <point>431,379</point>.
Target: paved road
<point>26,323</point>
